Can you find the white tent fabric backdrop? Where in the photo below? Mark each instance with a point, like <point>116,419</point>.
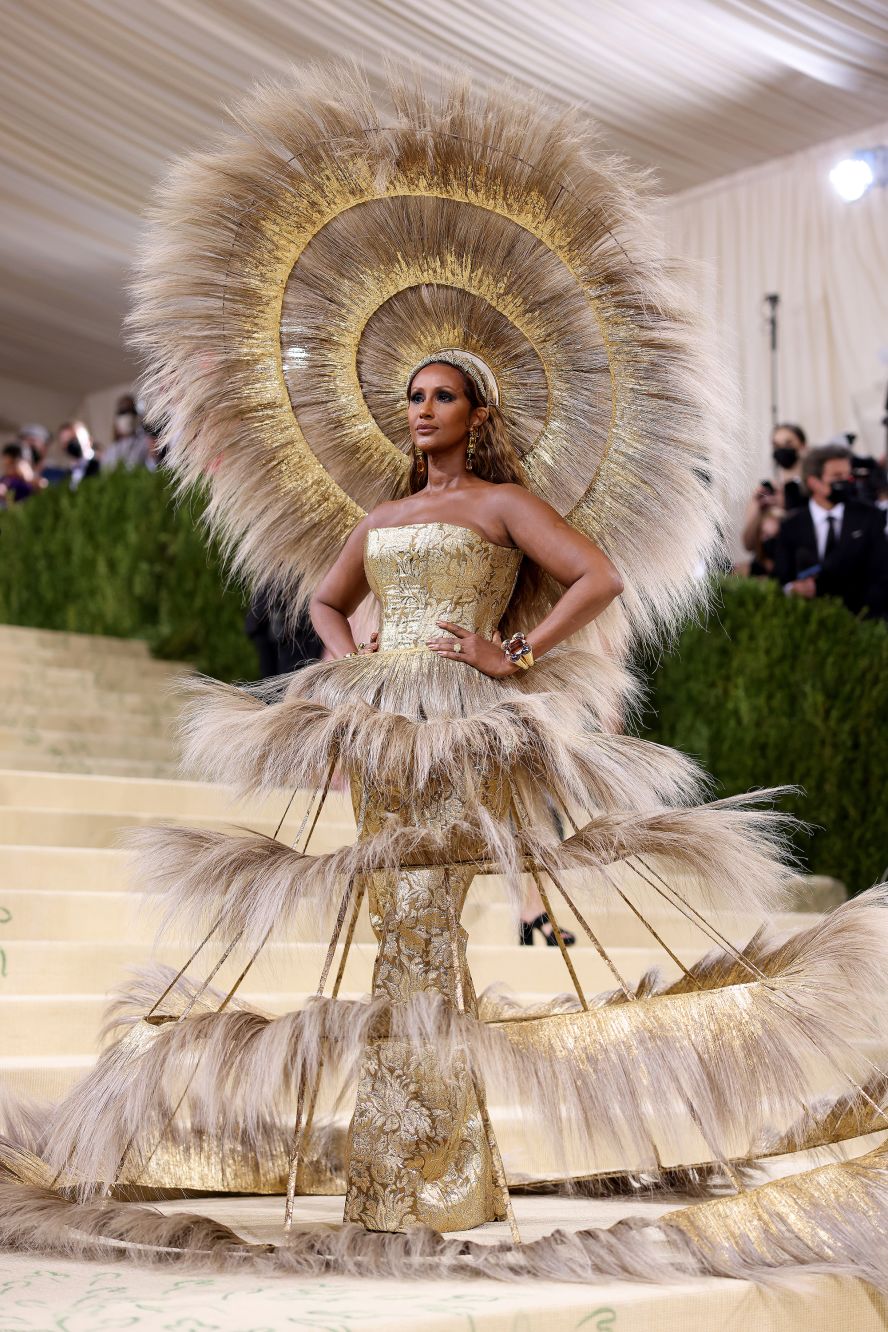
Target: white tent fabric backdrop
<point>781,228</point>
<point>102,94</point>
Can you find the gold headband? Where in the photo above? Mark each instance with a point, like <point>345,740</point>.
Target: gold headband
<point>477,370</point>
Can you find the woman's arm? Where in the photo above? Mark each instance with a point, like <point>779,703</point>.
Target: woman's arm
<point>340,593</point>
<point>590,580</point>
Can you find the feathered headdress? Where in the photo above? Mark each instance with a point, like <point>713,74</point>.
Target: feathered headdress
<point>296,274</point>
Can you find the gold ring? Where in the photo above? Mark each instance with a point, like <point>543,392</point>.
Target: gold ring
<point>457,647</point>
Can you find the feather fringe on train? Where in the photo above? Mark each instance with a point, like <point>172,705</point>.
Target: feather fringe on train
<point>250,885</point>
<point>391,713</point>
<point>731,1061</point>
<point>829,1220</point>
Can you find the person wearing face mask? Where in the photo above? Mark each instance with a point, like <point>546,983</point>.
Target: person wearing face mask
<point>835,546</point>
<point>79,448</point>
<point>789,444</point>
<point>771,499</point>
<point>70,457</point>
<point>130,447</point>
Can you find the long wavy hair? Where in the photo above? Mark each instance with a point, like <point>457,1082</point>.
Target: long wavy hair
<point>497,460</point>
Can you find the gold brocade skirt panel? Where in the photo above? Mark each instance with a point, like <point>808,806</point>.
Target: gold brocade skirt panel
<point>417,1153</point>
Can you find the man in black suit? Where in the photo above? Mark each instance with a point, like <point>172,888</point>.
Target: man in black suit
<point>280,648</point>
<point>835,546</point>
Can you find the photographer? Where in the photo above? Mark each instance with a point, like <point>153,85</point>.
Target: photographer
<point>772,499</point>
<point>835,546</point>
<point>18,480</point>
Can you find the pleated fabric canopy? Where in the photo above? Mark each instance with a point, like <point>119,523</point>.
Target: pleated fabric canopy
<point>102,94</point>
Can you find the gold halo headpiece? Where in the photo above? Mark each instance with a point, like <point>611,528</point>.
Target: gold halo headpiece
<point>296,275</point>
<point>477,370</point>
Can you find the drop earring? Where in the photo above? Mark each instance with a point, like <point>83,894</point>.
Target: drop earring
<point>470,452</point>
<point>419,459</point>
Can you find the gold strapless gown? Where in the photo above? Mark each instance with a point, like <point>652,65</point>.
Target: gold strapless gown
<point>417,1148</point>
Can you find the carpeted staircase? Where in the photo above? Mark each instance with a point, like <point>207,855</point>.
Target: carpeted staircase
<point>88,751</point>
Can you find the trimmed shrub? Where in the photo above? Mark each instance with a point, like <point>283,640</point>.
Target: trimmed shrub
<point>770,690</point>
<point>775,690</point>
<point>119,557</point>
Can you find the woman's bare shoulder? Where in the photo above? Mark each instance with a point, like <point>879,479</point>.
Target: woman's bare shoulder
<point>517,501</point>
<point>381,516</point>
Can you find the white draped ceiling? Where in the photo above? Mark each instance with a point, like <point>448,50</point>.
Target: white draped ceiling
<point>100,95</point>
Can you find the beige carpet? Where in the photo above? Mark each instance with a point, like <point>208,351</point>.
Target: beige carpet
<point>63,1296</point>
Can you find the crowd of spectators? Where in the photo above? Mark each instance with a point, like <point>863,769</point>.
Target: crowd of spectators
<point>36,458</point>
<point>818,525</point>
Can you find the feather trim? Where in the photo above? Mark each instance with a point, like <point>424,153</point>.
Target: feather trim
<point>381,716</point>
<point>721,1065</point>
<point>724,852</point>
<point>252,253</point>
<point>830,1220</point>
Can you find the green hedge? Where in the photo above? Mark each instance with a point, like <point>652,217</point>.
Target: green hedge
<point>775,690</point>
<point>771,690</point>
<point>119,557</point>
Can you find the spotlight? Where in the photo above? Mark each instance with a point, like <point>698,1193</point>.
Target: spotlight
<point>853,176</point>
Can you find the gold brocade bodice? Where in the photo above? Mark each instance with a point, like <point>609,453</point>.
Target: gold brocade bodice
<point>425,572</point>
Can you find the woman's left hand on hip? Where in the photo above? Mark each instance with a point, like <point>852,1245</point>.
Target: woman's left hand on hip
<point>485,654</point>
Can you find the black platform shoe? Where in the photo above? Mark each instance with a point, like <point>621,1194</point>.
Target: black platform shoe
<point>528,927</point>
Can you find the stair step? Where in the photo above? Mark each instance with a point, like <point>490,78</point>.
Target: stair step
<point>21,638</point>
<point>96,916</point>
<point>92,869</point>
<point>56,667</point>
<point>52,827</point>
<point>46,743</point>
<point>53,967</point>
<point>81,657</point>
<point>158,723</point>
<point>42,1079</point>
<point>37,694</point>
<point>87,766</point>
<point>88,795</point>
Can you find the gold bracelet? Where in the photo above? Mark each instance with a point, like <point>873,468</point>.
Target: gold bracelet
<point>519,651</point>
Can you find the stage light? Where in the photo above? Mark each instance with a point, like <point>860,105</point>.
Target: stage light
<point>853,176</point>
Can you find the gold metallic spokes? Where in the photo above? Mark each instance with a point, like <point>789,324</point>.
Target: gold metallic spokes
<point>385,283</point>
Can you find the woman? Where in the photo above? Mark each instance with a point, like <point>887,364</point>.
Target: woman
<point>496,461</point>
<point>448,415</point>
<point>466,490</point>
<point>772,500</point>
<point>317,264</point>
